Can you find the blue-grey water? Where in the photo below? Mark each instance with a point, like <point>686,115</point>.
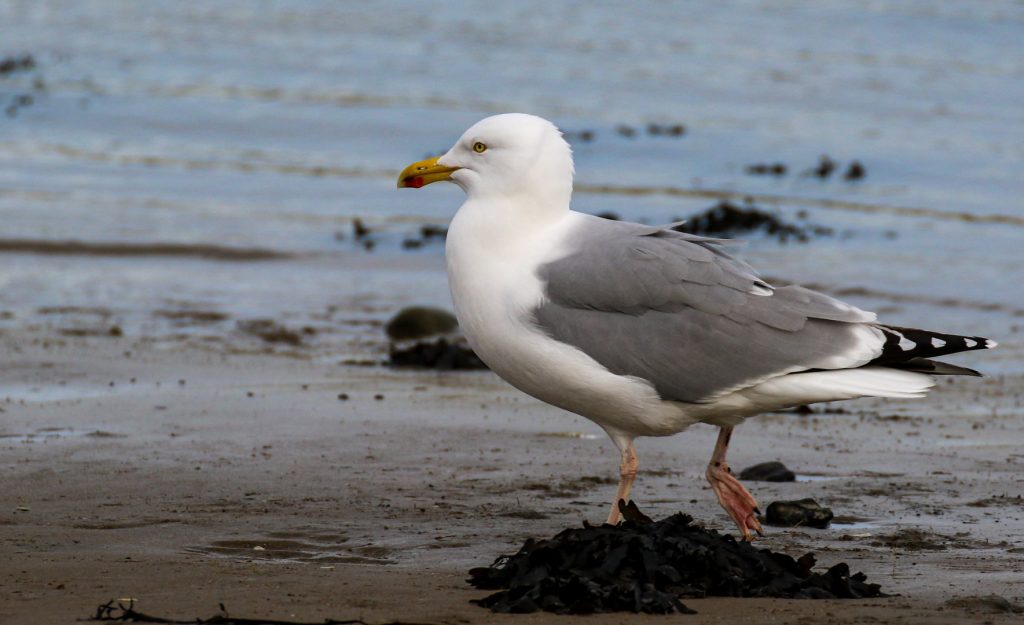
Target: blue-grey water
<point>272,125</point>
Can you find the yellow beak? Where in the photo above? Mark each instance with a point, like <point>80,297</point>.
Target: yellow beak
<point>422,173</point>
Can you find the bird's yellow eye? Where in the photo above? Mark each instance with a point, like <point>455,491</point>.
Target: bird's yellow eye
<point>479,147</point>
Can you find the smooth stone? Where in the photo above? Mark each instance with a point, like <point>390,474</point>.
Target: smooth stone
<point>768,472</point>
<point>799,513</point>
<point>417,322</point>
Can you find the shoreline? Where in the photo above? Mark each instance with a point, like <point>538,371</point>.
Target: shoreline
<point>161,488</point>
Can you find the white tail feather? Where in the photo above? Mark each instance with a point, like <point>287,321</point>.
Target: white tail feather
<point>815,386</point>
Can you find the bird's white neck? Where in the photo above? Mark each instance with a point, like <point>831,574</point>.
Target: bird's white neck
<point>542,195</point>
<point>496,223</point>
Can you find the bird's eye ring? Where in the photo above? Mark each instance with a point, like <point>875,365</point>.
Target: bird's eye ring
<point>479,147</point>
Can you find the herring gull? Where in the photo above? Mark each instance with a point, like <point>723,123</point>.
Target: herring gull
<point>642,329</point>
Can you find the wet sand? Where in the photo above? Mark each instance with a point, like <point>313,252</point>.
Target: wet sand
<point>185,477</point>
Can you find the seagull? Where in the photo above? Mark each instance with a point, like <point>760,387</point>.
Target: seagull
<point>642,329</point>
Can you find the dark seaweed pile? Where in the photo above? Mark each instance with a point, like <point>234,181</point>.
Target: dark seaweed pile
<point>649,567</point>
<point>726,218</point>
<point>437,353</point>
<point>12,64</point>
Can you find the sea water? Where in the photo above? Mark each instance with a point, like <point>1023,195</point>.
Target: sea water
<point>177,128</point>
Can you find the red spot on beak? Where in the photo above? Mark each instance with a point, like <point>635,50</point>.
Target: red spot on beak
<point>415,182</point>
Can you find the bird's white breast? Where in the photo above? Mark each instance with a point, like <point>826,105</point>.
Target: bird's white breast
<point>492,273</point>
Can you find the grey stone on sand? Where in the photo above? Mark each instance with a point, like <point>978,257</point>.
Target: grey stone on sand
<point>417,322</point>
<point>798,513</point>
<point>768,472</point>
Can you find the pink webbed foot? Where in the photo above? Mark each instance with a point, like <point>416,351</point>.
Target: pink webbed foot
<point>735,499</point>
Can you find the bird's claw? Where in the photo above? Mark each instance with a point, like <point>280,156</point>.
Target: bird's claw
<point>737,501</point>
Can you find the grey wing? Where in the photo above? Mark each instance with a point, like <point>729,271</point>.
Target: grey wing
<point>678,311</point>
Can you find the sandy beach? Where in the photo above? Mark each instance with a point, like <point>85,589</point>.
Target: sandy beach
<point>184,478</point>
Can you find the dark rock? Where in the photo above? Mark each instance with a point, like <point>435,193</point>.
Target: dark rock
<point>768,472</point>
<point>626,131</point>
<point>856,171</point>
<point>825,167</point>
<point>437,354</point>
<point>650,567</point>
<point>667,130</point>
<point>417,322</point>
<point>359,229</point>
<point>432,231</point>
<point>767,169</point>
<point>799,513</point>
<point>582,136</point>
<point>443,351</point>
<point>428,233</point>
<point>12,64</point>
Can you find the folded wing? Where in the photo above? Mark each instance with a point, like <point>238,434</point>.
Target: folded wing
<point>678,311</point>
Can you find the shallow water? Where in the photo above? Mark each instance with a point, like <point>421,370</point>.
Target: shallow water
<point>270,126</point>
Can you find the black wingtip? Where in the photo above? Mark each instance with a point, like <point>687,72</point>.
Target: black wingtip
<point>912,349</point>
<point>933,367</point>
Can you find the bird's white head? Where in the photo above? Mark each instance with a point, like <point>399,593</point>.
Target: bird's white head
<point>505,156</point>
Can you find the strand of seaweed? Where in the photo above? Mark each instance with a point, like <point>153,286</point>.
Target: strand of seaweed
<point>118,611</point>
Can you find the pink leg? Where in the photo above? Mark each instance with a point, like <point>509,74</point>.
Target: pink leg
<point>732,496</point>
<point>628,466</point>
